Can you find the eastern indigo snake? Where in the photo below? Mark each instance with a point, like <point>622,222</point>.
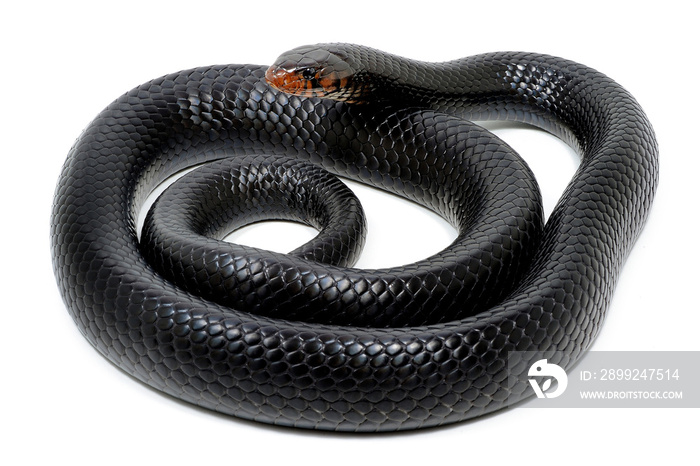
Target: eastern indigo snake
<point>302,339</point>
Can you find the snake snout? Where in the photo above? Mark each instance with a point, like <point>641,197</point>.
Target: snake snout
<point>282,79</point>
<point>306,81</point>
<point>294,81</point>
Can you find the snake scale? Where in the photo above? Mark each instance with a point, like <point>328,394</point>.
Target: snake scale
<point>304,339</point>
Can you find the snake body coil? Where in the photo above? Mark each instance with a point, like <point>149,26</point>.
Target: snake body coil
<point>282,339</point>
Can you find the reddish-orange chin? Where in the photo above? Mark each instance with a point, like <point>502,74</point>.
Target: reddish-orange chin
<point>289,82</point>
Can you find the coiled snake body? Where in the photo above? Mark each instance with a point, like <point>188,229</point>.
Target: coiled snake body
<point>302,339</point>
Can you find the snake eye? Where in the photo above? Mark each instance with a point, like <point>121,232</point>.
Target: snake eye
<point>308,73</point>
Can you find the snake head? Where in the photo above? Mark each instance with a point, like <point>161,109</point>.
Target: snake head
<point>315,71</point>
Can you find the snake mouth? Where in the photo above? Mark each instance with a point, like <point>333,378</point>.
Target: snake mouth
<point>291,81</point>
<point>308,81</point>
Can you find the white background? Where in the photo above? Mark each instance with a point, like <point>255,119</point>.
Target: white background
<point>62,62</point>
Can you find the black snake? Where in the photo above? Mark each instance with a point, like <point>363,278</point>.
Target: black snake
<point>302,339</point>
